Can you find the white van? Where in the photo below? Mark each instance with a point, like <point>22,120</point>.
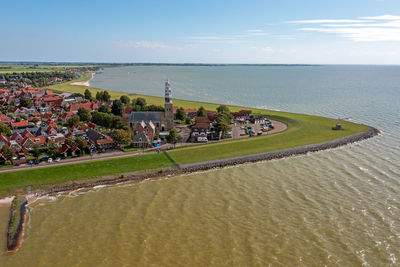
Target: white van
<point>202,139</point>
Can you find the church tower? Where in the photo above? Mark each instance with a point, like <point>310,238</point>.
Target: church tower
<point>169,113</point>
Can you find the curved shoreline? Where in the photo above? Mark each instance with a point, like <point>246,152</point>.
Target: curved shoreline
<point>191,168</point>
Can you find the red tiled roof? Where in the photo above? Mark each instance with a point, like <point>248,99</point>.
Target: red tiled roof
<point>51,99</point>
<point>38,140</point>
<point>15,135</point>
<point>4,118</point>
<point>51,123</point>
<point>88,106</point>
<point>64,148</point>
<point>2,137</point>
<point>19,124</point>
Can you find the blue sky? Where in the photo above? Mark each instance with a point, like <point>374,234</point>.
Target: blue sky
<point>207,31</point>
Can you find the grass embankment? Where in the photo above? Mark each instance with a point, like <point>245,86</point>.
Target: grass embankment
<point>19,68</point>
<point>35,177</point>
<point>302,130</point>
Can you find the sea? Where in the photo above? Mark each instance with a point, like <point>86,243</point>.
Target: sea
<point>339,207</point>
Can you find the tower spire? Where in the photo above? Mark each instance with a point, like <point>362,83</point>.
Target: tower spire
<point>168,94</point>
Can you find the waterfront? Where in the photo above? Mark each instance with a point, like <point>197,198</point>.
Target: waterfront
<point>337,207</point>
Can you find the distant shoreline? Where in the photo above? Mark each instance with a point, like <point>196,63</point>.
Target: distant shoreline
<point>85,83</point>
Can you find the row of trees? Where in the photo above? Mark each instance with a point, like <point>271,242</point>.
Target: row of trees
<point>137,104</point>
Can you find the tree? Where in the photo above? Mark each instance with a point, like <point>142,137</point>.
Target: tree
<point>103,96</point>
<point>88,94</point>
<point>117,122</point>
<point>25,102</point>
<point>201,112</point>
<point>224,119</point>
<point>104,109</point>
<point>73,121</point>
<point>122,137</point>
<point>117,108</point>
<point>173,137</point>
<point>180,114</point>
<point>99,96</point>
<point>141,102</point>
<point>106,96</point>
<point>84,114</point>
<point>69,141</point>
<point>5,130</point>
<point>7,152</point>
<point>52,149</point>
<point>125,99</point>
<point>223,109</point>
<point>81,143</point>
<point>107,120</point>
<point>35,150</point>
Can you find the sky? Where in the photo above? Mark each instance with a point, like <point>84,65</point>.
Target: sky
<point>203,31</point>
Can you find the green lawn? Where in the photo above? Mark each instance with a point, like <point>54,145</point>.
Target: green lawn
<point>56,174</point>
<point>302,130</point>
<point>18,68</point>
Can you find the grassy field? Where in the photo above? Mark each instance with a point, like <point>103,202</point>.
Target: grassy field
<point>18,68</point>
<point>302,130</point>
<point>36,177</point>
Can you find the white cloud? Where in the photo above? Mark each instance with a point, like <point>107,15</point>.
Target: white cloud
<point>384,17</point>
<point>256,30</point>
<point>319,21</point>
<point>267,49</point>
<point>232,38</point>
<point>142,44</point>
<point>364,29</point>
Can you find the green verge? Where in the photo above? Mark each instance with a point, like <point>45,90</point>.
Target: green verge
<point>302,129</point>
<point>36,177</point>
<point>19,68</point>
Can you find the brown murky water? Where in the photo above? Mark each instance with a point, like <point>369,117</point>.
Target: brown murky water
<point>296,211</point>
<point>334,208</point>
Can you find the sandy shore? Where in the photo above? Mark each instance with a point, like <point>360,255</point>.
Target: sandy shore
<point>6,202</point>
<point>87,83</point>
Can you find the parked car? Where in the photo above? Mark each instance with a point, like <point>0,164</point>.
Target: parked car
<point>50,160</point>
<point>57,159</point>
<point>202,139</point>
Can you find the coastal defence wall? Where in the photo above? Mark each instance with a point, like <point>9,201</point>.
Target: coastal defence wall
<point>14,238</point>
<point>281,153</point>
<point>201,166</point>
<point>14,234</point>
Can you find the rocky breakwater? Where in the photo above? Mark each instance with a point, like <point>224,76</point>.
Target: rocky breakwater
<point>281,153</point>
<point>16,224</point>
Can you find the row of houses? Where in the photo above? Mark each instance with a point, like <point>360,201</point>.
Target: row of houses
<point>42,121</point>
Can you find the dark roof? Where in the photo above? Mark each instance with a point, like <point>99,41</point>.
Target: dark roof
<point>40,131</point>
<point>94,135</point>
<point>146,116</point>
<point>32,130</point>
<point>140,137</point>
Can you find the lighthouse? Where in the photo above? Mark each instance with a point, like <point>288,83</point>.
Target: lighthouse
<point>169,113</point>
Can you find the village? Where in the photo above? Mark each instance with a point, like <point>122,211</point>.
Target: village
<point>39,125</point>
